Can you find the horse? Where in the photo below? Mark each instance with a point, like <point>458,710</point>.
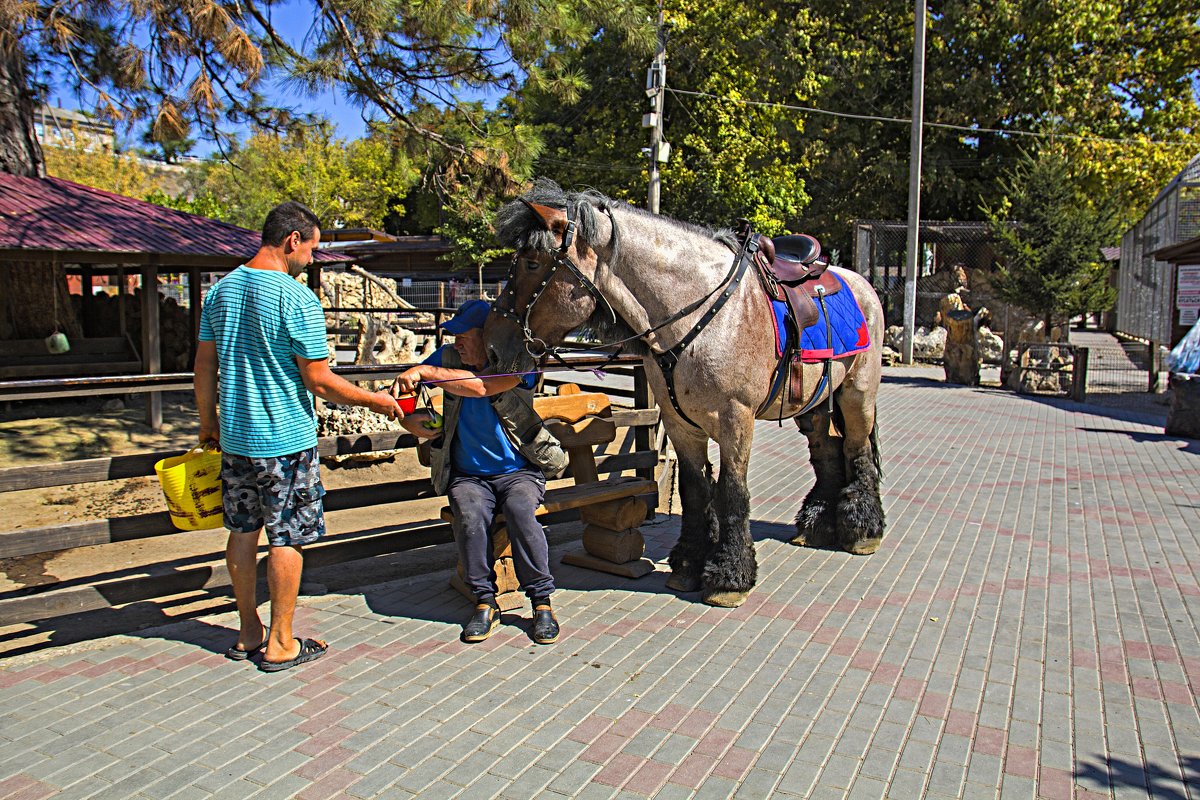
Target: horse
<point>584,262</point>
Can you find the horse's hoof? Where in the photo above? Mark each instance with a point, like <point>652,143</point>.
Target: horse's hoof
<point>681,583</point>
<point>725,599</point>
<point>813,537</point>
<point>865,547</point>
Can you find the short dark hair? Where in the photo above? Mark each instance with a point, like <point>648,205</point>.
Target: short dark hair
<point>285,218</point>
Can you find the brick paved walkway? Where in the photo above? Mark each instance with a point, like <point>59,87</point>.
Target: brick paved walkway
<point>1029,629</point>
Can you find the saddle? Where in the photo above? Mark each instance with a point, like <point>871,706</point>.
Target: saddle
<point>792,269</point>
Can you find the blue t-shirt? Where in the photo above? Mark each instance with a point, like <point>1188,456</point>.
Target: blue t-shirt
<point>480,446</point>
<point>261,320</point>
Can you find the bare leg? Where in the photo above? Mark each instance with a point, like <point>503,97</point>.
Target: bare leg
<point>241,556</point>
<point>284,565</point>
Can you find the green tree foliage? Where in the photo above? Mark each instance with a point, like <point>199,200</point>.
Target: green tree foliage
<point>728,159</point>
<point>1089,68</point>
<point>352,184</point>
<point>201,64</point>
<point>1050,238</point>
<point>1104,68</point>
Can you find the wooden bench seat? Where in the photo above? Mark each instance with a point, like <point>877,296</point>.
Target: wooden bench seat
<point>611,508</point>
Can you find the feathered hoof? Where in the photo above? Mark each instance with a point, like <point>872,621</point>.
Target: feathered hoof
<point>864,547</point>
<point>813,537</point>
<point>725,599</point>
<point>682,583</point>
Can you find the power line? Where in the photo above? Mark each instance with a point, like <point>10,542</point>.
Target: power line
<point>946,125</point>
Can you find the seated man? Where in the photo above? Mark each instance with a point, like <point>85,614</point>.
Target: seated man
<point>494,454</point>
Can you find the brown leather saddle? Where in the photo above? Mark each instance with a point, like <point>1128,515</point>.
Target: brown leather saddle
<point>792,269</point>
<point>796,273</point>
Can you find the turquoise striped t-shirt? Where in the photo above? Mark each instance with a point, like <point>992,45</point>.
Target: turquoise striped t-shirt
<point>260,321</point>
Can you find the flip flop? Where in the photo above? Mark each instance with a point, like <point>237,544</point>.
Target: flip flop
<point>310,650</point>
<point>235,654</point>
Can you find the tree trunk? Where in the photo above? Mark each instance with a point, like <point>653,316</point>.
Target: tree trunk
<point>20,153</point>
<point>34,301</point>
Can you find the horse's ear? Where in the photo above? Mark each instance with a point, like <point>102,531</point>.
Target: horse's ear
<point>548,216</point>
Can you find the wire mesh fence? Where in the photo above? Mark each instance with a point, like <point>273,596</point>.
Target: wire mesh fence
<point>1130,367</point>
<point>947,251</point>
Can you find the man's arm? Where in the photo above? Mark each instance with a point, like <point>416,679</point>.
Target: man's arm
<point>206,391</point>
<point>321,381</point>
<point>461,382</point>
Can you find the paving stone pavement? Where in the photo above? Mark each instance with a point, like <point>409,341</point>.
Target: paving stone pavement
<point>1028,630</point>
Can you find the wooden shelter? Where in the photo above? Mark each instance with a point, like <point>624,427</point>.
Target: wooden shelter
<point>89,232</point>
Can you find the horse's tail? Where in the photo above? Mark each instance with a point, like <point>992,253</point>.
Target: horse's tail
<point>875,446</point>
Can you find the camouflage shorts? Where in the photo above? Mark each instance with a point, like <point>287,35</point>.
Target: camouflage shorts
<point>282,494</point>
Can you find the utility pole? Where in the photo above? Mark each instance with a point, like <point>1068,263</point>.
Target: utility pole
<point>912,253</point>
<point>656,90</point>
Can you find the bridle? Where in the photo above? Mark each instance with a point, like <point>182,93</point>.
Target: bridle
<point>535,346</point>
<point>667,360</point>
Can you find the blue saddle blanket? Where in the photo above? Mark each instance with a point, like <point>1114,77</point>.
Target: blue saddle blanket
<point>849,328</point>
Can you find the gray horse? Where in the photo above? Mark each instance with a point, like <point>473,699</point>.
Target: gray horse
<point>585,261</point>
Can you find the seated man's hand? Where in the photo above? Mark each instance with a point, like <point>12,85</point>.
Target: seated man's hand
<point>406,382</point>
<point>383,403</point>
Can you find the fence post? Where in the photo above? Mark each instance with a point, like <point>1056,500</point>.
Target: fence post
<point>1155,366</point>
<point>642,436</point>
<point>1079,375</point>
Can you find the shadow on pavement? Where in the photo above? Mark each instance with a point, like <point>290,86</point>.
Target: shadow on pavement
<point>1187,445</point>
<point>1157,781</point>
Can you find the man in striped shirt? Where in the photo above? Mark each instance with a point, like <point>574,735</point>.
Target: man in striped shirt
<point>266,333</point>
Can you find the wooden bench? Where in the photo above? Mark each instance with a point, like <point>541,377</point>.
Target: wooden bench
<point>611,509</point>
<point>29,358</point>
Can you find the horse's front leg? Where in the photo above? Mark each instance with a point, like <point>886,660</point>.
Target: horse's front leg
<point>698,529</point>
<point>732,569</point>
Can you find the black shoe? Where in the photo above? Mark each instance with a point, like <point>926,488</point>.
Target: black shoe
<point>545,626</point>
<point>485,620</point>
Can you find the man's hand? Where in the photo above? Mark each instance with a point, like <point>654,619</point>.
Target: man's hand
<point>382,402</point>
<point>210,436</point>
<point>406,382</point>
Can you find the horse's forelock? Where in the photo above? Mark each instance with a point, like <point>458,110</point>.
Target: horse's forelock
<point>519,227</point>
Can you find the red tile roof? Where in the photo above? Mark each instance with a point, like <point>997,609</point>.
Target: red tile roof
<point>55,215</point>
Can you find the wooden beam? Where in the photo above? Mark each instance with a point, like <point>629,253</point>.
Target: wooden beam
<point>28,541</point>
<point>151,343</point>
<point>193,311</point>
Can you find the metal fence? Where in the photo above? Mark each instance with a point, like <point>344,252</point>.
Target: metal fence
<point>1132,367</point>
<point>442,294</point>
<point>1146,291</point>
<point>945,248</point>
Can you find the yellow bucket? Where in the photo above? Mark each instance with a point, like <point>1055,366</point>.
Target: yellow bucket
<point>191,484</point>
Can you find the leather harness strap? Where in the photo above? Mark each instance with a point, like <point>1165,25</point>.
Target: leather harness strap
<point>667,361</point>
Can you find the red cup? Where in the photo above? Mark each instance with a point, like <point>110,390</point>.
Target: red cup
<point>408,403</point>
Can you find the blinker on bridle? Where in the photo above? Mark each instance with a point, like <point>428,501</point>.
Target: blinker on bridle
<point>535,346</point>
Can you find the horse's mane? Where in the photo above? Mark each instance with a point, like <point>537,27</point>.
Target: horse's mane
<point>518,227</point>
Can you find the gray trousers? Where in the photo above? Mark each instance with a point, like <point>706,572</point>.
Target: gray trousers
<point>474,500</point>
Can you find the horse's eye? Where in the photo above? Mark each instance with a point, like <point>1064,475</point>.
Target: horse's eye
<point>532,265</point>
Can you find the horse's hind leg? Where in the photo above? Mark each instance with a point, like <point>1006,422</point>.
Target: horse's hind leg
<point>816,523</point>
<point>698,529</point>
<point>860,508</point>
